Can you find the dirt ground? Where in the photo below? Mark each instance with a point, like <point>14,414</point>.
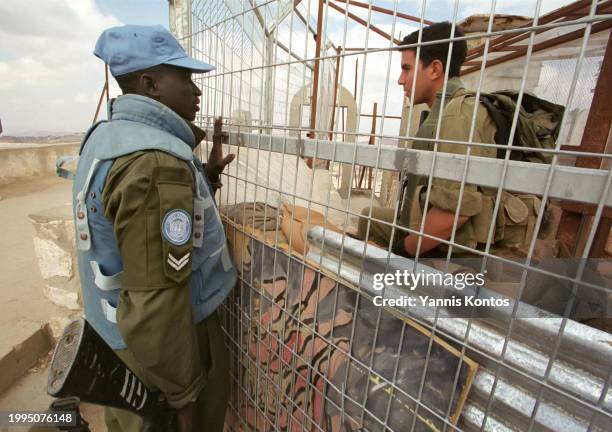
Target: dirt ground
<point>23,307</point>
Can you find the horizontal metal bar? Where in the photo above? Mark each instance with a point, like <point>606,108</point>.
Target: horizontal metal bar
<point>381,116</point>
<point>566,150</point>
<point>515,401</point>
<point>473,416</point>
<point>570,183</point>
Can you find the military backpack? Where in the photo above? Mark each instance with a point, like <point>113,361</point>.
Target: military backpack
<point>537,127</point>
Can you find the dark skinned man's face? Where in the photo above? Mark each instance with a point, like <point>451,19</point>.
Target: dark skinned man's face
<point>175,89</point>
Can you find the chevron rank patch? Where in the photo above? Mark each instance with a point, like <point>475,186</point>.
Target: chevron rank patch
<point>178,263</point>
<point>176,227</point>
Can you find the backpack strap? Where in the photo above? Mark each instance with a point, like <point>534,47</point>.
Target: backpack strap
<point>503,125</point>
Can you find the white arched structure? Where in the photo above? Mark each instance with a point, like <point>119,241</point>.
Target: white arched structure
<point>345,100</point>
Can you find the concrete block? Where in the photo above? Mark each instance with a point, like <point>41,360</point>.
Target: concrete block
<point>52,259</point>
<point>63,292</point>
<point>57,324</point>
<point>56,254</point>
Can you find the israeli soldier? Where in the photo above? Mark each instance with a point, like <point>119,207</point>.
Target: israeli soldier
<point>152,253</point>
<point>457,111</point>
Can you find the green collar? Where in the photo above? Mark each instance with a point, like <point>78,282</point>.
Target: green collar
<point>428,128</point>
<point>452,86</point>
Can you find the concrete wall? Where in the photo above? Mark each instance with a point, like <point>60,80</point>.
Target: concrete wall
<point>25,160</point>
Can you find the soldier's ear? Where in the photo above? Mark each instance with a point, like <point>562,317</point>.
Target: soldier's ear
<point>147,82</point>
<point>436,69</point>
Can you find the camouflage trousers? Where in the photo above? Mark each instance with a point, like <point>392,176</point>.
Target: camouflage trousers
<point>380,232</point>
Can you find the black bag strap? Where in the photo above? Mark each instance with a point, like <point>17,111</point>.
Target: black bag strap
<point>503,124</point>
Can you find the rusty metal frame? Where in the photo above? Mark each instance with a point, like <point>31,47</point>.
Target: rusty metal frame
<point>322,3</point>
<point>519,51</point>
<point>365,24</point>
<point>595,138</point>
<point>502,43</point>
<point>356,73</point>
<point>384,11</point>
<point>508,42</point>
<point>104,91</point>
<point>335,100</point>
<point>315,80</point>
<point>268,33</point>
<point>374,117</point>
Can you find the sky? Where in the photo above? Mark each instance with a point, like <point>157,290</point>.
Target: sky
<point>377,78</point>
<point>50,81</point>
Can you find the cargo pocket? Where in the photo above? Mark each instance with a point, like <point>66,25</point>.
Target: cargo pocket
<point>482,221</point>
<point>516,220</point>
<point>533,204</point>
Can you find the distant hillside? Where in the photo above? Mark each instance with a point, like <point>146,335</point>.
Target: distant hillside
<point>42,139</point>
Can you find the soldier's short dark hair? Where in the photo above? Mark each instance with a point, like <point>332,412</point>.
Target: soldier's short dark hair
<point>429,53</point>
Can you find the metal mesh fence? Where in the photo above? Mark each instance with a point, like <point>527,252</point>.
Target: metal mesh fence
<point>315,211</point>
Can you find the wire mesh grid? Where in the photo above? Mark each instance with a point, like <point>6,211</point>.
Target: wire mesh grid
<point>311,191</point>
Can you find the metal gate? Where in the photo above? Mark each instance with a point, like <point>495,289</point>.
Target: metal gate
<point>312,346</point>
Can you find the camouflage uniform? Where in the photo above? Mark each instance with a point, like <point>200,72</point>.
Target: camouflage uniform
<point>516,218</point>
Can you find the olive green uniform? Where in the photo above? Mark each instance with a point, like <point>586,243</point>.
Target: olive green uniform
<point>455,125</point>
<point>514,222</point>
<point>187,362</point>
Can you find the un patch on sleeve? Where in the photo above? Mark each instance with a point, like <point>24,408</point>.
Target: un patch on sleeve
<point>176,227</point>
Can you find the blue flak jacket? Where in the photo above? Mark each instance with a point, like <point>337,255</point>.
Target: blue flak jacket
<point>138,123</point>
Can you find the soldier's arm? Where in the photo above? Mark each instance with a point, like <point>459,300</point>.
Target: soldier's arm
<point>438,223</point>
<point>154,313</point>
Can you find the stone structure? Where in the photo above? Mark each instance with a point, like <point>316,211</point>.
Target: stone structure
<point>55,250</point>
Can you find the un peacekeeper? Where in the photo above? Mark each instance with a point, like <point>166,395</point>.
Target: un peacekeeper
<point>477,204</point>
<point>152,252</point>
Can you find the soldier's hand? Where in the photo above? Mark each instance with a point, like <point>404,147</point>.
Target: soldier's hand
<point>216,162</point>
<point>186,418</point>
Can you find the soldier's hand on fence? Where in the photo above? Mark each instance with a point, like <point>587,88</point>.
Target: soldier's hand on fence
<point>216,162</point>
